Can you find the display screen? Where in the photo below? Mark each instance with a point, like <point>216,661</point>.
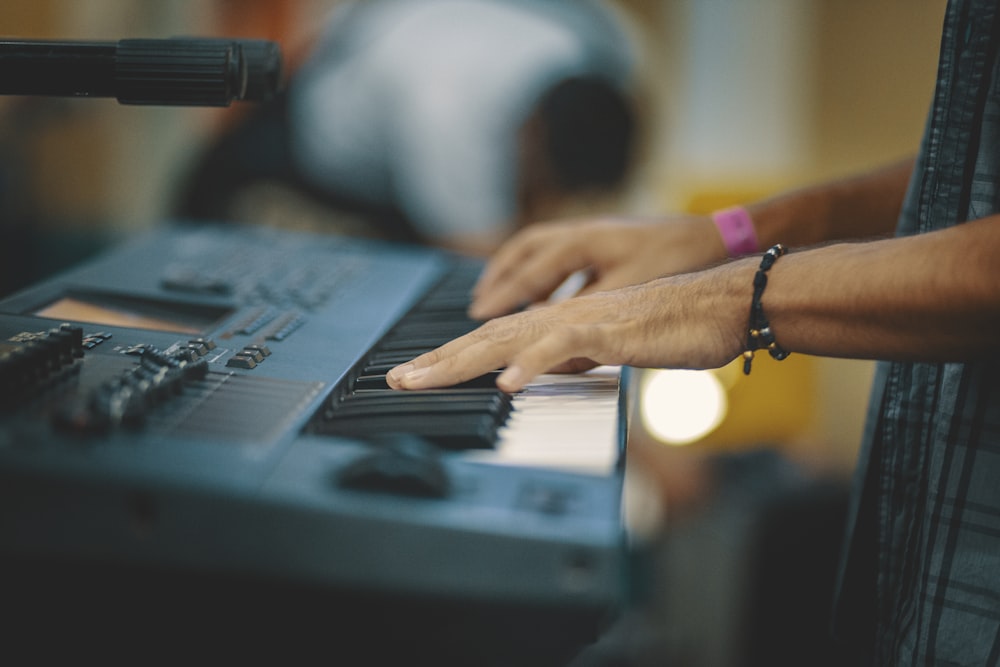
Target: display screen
<point>134,313</point>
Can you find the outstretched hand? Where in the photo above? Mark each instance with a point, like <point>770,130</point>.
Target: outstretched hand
<point>678,322</point>
<point>613,252</point>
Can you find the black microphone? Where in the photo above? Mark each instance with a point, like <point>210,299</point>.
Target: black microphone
<point>183,71</point>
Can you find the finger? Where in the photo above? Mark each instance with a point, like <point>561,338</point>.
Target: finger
<point>394,377</point>
<point>484,349</point>
<point>506,284</point>
<point>510,255</point>
<point>521,255</point>
<point>553,350</point>
<point>448,365</point>
<point>535,279</point>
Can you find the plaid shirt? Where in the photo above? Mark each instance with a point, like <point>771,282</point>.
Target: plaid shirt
<point>920,583</point>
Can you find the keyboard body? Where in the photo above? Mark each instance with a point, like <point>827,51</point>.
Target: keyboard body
<point>180,439</point>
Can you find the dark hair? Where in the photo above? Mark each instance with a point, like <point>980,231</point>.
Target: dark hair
<point>589,133</point>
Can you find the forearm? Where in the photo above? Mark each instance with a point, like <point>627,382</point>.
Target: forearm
<point>932,297</point>
<point>861,207</point>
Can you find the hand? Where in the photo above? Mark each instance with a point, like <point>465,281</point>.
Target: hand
<point>615,252</point>
<point>688,321</point>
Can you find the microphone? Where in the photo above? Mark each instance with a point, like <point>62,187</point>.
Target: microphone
<point>178,71</point>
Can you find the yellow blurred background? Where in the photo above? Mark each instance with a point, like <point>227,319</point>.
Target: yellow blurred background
<point>741,99</point>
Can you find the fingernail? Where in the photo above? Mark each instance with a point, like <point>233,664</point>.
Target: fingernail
<point>415,376</point>
<point>398,372</point>
<point>510,378</point>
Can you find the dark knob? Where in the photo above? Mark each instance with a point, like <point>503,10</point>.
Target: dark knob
<point>263,62</point>
<point>179,71</point>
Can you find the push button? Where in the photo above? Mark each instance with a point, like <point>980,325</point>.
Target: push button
<point>253,354</point>
<point>241,361</point>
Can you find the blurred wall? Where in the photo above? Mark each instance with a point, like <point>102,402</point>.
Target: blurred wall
<point>775,93</point>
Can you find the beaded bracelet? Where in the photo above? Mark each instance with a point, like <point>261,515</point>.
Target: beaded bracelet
<point>759,334</point>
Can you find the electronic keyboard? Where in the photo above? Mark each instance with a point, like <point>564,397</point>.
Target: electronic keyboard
<point>196,439</point>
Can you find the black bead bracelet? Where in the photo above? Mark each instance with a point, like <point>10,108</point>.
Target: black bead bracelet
<point>759,334</point>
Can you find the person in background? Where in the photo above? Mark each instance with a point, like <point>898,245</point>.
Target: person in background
<point>446,122</point>
<point>918,581</point>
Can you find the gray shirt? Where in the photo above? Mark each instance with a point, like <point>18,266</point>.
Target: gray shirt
<point>921,577</point>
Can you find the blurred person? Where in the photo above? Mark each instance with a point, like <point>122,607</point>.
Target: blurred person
<point>447,122</point>
<point>918,581</point>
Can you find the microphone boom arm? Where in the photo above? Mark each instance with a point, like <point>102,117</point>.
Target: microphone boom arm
<point>174,71</point>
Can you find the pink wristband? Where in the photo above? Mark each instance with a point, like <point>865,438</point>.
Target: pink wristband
<point>736,228</point>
